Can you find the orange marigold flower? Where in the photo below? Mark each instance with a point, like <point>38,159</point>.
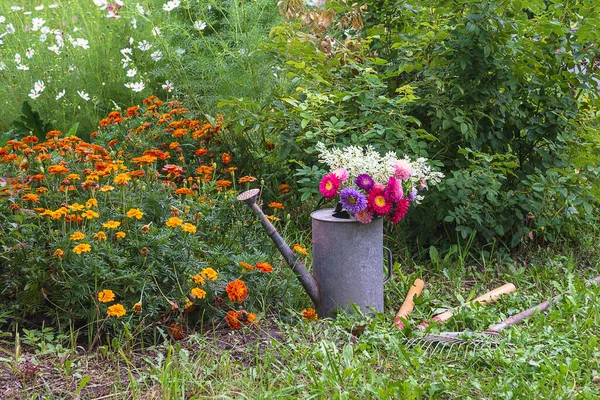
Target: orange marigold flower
<point>37,177</point>
<point>201,152</point>
<point>298,248</point>
<point>59,253</point>
<point>223,183</point>
<point>174,222</point>
<point>176,330</point>
<point>31,197</point>
<point>145,159</point>
<point>122,179</point>
<point>137,307</point>
<point>204,170</point>
<point>106,296</point>
<point>184,191</point>
<point>284,188</point>
<point>41,190</point>
<point>89,214</point>
<point>232,320</point>
<point>236,290</point>
<point>264,267</point>
<point>231,169</point>
<point>209,274</point>
<point>58,169</point>
<point>116,310</point>
<point>100,236</point>
<point>198,280</point>
<point>247,266</point>
<point>198,293</point>
<point>188,227</point>
<point>135,213</point>
<point>53,134</point>
<point>107,188</point>
<point>226,158</point>
<point>74,177</point>
<point>112,142</point>
<point>131,111</point>
<point>82,248</point>
<point>246,178</point>
<point>111,224</point>
<point>180,132</point>
<point>30,139</point>
<point>310,314</point>
<point>276,205</point>
<point>174,145</point>
<point>77,236</point>
<point>121,235</point>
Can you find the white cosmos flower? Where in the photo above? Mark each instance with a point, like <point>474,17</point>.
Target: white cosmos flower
<point>43,37</point>
<point>156,56</point>
<point>80,42</point>
<point>156,31</point>
<point>18,58</point>
<point>180,51</point>
<point>200,25</point>
<point>59,41</point>
<point>138,86</point>
<point>45,29</point>
<point>34,94</point>
<point>2,66</point>
<point>60,94</point>
<point>171,5</point>
<point>55,49</point>
<point>2,19</point>
<point>129,85</point>
<point>23,67</point>
<point>16,8</point>
<point>83,95</point>
<point>101,3</point>
<point>27,12</point>
<point>10,29</point>
<point>168,86</point>
<point>139,8</point>
<point>134,23</point>
<point>29,53</point>
<point>144,45</point>
<point>126,50</point>
<point>37,23</point>
<point>39,8</point>
<point>131,73</point>
<point>39,86</point>
<point>53,5</point>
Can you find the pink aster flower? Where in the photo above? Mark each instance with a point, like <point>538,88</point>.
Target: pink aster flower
<point>402,169</point>
<point>378,203</point>
<point>341,174</point>
<point>364,216</point>
<point>330,184</point>
<point>400,211</point>
<point>394,190</point>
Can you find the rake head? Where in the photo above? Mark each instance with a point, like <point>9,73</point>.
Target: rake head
<point>454,342</point>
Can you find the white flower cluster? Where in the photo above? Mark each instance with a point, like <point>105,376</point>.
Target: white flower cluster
<point>357,160</point>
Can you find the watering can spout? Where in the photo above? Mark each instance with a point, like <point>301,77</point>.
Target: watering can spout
<point>308,282</point>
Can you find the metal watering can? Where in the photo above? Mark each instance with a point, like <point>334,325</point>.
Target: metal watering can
<point>347,260</point>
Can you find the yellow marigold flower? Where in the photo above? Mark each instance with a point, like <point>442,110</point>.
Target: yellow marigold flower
<point>135,213</point>
<point>298,248</point>
<point>276,205</point>
<point>174,222</point>
<point>107,188</point>
<point>272,218</point>
<point>111,224</point>
<point>76,207</point>
<point>209,274</point>
<point>74,177</point>
<point>77,236</point>
<point>91,203</point>
<point>89,214</point>
<point>59,254</point>
<point>106,296</point>
<point>246,265</point>
<point>310,314</point>
<point>121,235</point>
<point>82,248</point>
<point>198,280</point>
<point>100,236</point>
<point>116,310</point>
<point>122,179</point>
<point>137,307</point>
<point>188,227</point>
<point>198,293</point>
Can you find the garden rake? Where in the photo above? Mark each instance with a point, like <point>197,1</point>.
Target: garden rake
<point>475,341</point>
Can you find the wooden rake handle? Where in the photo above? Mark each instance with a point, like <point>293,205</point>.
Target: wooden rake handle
<point>409,303</point>
<point>489,297</point>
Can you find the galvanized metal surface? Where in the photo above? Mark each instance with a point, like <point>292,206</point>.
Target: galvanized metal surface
<point>347,263</point>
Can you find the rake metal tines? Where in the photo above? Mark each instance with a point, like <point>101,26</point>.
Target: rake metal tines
<point>453,343</point>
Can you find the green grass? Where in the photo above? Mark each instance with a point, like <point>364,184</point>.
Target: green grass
<point>552,355</point>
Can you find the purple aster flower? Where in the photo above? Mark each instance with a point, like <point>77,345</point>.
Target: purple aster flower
<point>365,182</point>
<point>413,195</point>
<point>353,200</point>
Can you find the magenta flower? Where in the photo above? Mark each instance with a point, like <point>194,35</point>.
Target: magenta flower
<point>364,216</point>
<point>394,190</point>
<point>330,184</point>
<point>341,174</point>
<point>400,211</point>
<point>353,200</point>
<point>402,169</point>
<point>365,182</point>
<point>378,203</point>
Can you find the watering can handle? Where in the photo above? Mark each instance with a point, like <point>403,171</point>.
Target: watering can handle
<point>390,264</point>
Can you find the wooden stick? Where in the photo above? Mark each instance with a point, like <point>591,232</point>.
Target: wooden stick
<point>409,303</point>
<point>489,297</point>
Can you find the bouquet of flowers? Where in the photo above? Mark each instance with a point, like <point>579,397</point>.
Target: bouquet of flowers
<point>371,185</point>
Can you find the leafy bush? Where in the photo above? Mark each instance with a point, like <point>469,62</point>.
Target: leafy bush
<point>138,226</point>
